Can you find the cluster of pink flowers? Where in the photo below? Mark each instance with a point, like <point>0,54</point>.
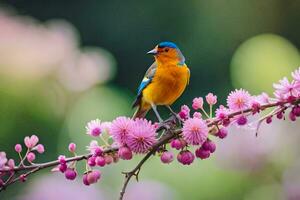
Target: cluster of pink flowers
<point>32,146</point>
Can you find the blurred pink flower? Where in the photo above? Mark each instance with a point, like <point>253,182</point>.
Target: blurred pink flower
<point>3,159</point>
<point>155,191</point>
<point>43,187</point>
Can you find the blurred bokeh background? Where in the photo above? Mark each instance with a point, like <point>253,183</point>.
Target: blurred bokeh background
<point>63,63</point>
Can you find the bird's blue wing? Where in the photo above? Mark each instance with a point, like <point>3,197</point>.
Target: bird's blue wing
<point>147,78</point>
<point>145,82</point>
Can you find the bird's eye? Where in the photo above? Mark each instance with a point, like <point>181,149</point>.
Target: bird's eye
<point>166,50</point>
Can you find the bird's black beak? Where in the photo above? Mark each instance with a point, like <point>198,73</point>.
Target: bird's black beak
<point>152,52</point>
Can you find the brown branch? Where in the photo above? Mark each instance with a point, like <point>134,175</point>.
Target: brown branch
<point>135,172</point>
<point>36,167</point>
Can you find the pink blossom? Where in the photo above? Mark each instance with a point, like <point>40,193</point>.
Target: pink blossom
<point>185,157</point>
<point>167,157</point>
<point>222,133</point>
<point>30,142</point>
<point>94,148</point>
<point>184,112</point>
<point>30,156</point>
<point>241,120</point>
<point>125,153</point>
<point>177,144</point>
<point>195,131</point>
<point>105,126</point>
<point>142,136</point>
<point>263,98</point>
<point>197,103</point>
<point>18,148</point>
<point>62,159</point>
<point>91,161</point>
<point>284,89</point>
<point>93,128</point>
<point>91,177</point>
<point>100,161</point>
<point>11,163</point>
<point>222,112</point>
<point>197,115</point>
<point>3,159</point>
<point>72,147</point>
<point>202,153</point>
<point>39,148</point>
<point>70,174</point>
<point>296,75</point>
<point>211,99</point>
<point>238,100</point>
<point>108,159</point>
<point>120,129</point>
<point>209,145</point>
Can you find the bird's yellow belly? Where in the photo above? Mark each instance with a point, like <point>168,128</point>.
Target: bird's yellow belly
<point>167,86</point>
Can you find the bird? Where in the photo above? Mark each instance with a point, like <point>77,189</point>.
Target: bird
<point>164,81</point>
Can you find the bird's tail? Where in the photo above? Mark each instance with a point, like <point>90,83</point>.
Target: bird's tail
<point>140,112</point>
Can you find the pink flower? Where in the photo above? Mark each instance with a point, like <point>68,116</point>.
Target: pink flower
<point>72,147</point>
<point>70,174</point>
<point>184,112</point>
<point>197,103</point>
<point>263,98</point>
<point>93,128</point>
<point>195,131</point>
<point>120,129</point>
<point>100,161</point>
<point>125,153</point>
<point>296,77</point>
<point>3,159</point>
<point>11,163</point>
<point>284,89</point>
<point>185,157</point>
<point>238,100</point>
<point>197,115</point>
<point>241,120</point>
<point>222,112</point>
<point>30,156</point>
<point>105,126</point>
<point>30,142</point>
<point>142,136</point>
<point>91,177</point>
<point>178,143</point>
<point>94,148</point>
<point>39,148</point>
<point>167,157</point>
<point>202,153</point>
<point>222,133</point>
<point>108,159</point>
<point>18,148</point>
<point>211,99</point>
<point>209,145</point>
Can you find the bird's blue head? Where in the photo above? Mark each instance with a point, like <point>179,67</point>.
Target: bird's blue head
<point>166,52</point>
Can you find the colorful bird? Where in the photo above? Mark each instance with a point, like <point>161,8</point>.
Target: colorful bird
<point>164,81</point>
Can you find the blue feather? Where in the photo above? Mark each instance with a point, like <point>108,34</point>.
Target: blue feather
<point>167,44</point>
<point>143,85</point>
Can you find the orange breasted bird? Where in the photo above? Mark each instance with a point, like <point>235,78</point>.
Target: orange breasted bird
<point>164,81</point>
